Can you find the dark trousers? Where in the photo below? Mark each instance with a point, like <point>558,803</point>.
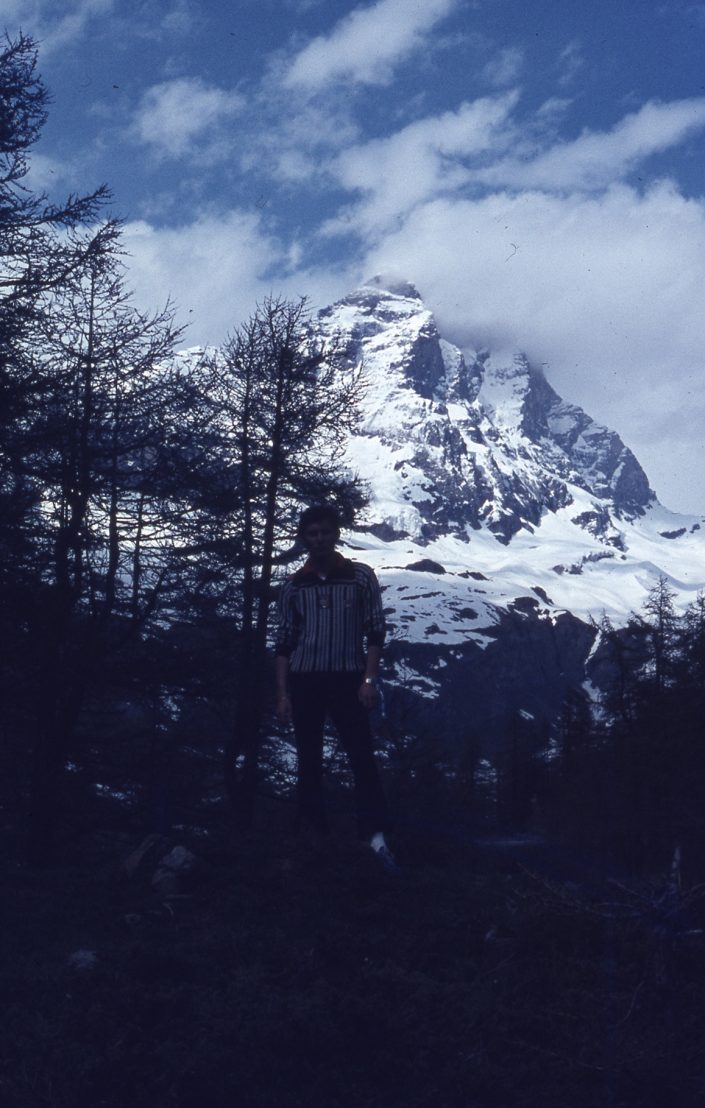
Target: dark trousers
<point>314,698</point>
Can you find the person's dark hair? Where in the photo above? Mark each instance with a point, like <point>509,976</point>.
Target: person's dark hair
<point>316,514</point>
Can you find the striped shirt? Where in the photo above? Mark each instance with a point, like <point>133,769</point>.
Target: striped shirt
<point>324,624</point>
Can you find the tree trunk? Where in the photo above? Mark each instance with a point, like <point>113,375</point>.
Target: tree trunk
<point>242,751</point>
<point>56,720</point>
<point>45,792</point>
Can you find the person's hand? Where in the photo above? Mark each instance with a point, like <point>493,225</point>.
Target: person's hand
<point>284,709</point>
<point>367,695</point>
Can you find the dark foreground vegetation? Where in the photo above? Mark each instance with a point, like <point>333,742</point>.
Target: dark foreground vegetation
<point>285,971</point>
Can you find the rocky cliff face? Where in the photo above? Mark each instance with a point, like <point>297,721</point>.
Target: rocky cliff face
<point>502,517</point>
<point>473,442</point>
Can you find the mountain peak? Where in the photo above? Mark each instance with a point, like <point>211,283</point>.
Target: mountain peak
<point>394,284</point>
<point>483,444</point>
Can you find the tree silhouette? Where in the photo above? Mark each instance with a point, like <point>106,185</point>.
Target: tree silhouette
<point>93,454</point>
<point>276,407</point>
<point>38,243</point>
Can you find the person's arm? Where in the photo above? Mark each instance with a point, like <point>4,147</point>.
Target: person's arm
<point>367,694</point>
<point>374,654</point>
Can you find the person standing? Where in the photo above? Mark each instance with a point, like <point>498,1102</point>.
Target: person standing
<point>328,649</point>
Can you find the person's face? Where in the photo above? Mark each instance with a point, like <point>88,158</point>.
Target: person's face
<point>320,538</point>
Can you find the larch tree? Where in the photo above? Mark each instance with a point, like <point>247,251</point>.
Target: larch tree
<point>38,249</point>
<point>283,403</point>
<point>659,622</point>
<point>101,537</point>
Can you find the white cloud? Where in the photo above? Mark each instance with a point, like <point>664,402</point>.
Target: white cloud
<point>570,63</point>
<point>39,18</point>
<point>45,173</point>
<point>298,145</point>
<point>681,9</point>
<point>505,67</point>
<point>464,150</point>
<point>216,268</point>
<point>72,25</point>
<point>425,158</point>
<point>57,26</point>
<point>156,20</point>
<point>366,45</point>
<point>177,116</point>
<point>16,13</point>
<point>597,158</point>
<point>179,19</point>
<point>553,108</point>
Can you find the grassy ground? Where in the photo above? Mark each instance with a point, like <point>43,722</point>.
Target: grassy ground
<point>297,973</point>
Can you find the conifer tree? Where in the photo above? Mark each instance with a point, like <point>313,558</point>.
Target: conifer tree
<point>279,405</point>
<point>95,456</point>
<point>35,256</point>
<point>39,248</point>
<point>659,622</point>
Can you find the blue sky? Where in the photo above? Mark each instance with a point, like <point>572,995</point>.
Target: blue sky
<point>534,167</point>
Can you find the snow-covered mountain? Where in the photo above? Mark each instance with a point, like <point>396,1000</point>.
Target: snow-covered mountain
<point>499,511</point>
